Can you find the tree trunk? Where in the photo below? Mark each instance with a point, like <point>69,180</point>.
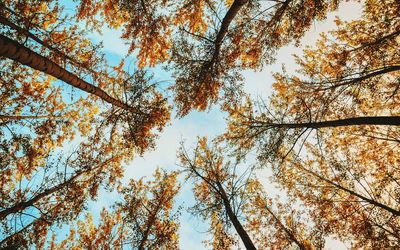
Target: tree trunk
<point>25,117</point>
<point>373,73</point>
<point>150,223</point>
<point>226,21</point>
<point>25,204</point>
<point>355,121</point>
<point>45,44</point>
<point>236,223</point>
<point>19,53</point>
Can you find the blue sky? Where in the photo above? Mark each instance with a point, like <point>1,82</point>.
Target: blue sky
<point>208,124</point>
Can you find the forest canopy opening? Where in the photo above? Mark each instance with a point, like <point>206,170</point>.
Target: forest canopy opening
<point>130,124</point>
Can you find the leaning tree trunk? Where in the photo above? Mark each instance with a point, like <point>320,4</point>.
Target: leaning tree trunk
<point>25,204</point>
<point>19,53</point>
<point>26,117</point>
<point>45,44</point>
<point>373,73</point>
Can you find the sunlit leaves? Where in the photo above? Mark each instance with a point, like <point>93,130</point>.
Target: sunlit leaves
<point>340,181</point>
<point>40,187</point>
<point>345,174</point>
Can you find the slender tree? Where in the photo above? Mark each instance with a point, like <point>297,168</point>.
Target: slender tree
<point>30,209</point>
<point>352,193</point>
<point>278,225</point>
<point>230,194</point>
<point>144,219</point>
<point>218,189</point>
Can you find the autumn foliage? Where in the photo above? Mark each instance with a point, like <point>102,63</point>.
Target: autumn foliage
<point>72,120</point>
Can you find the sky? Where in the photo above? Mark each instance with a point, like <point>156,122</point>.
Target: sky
<point>210,124</point>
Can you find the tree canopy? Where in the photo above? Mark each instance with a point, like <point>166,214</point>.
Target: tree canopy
<point>73,119</point>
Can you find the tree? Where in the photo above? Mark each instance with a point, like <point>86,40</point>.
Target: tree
<point>142,220</point>
<point>206,42</point>
<point>140,100</point>
<point>330,135</point>
<point>349,79</point>
<point>277,224</point>
<point>37,119</point>
<point>66,185</point>
<point>49,43</point>
<point>147,208</point>
<point>246,37</point>
<point>219,192</point>
<point>108,234</point>
<point>351,193</point>
<point>230,195</point>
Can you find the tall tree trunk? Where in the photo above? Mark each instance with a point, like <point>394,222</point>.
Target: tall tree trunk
<point>354,121</point>
<point>248,243</point>
<point>230,15</point>
<point>25,204</point>
<point>19,53</point>
<point>279,13</point>
<point>150,223</point>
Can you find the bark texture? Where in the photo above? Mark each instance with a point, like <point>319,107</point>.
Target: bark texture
<point>19,53</point>
<point>45,44</point>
